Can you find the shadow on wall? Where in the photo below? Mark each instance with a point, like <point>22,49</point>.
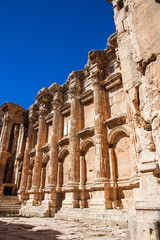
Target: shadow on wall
<point>157,1</point>
<point>158,229</point>
<point>25,231</point>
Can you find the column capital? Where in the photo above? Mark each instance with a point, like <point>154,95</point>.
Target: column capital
<point>44,97</point>
<point>74,91</point>
<point>97,77</point>
<point>33,113</point>
<point>57,100</point>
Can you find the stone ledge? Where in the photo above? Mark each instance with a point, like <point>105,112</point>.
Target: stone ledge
<point>86,132</point>
<point>115,121</point>
<point>63,141</point>
<point>45,148</point>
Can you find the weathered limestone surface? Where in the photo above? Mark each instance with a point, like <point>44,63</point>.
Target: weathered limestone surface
<point>93,143</point>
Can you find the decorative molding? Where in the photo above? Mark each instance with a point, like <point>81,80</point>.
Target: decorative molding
<point>86,132</point>
<point>115,121</point>
<point>63,141</point>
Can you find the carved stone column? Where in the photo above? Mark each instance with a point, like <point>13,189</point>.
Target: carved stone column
<point>43,98</point>
<point>28,147</point>
<point>55,135</point>
<point>73,139</point>
<point>100,162</point>
<point>40,142</point>
<point>5,137</point>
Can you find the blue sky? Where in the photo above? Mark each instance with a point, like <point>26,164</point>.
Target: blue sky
<point>42,41</point>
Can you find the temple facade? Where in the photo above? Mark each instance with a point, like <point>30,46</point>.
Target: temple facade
<point>94,141</point>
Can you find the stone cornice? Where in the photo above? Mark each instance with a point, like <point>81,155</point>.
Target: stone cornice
<point>63,141</point>
<point>86,132</point>
<point>112,80</point>
<point>115,121</point>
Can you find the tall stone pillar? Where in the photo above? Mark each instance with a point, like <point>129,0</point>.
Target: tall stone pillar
<point>100,162</point>
<point>43,98</point>
<point>4,154</point>
<point>38,157</point>
<point>73,139</point>
<point>53,163</point>
<point>71,196</point>
<point>55,134</point>
<point>28,148</point>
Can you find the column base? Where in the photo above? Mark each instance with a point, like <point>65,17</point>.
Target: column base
<point>71,200</point>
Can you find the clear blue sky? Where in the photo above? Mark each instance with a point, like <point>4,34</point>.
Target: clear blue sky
<point>43,41</point>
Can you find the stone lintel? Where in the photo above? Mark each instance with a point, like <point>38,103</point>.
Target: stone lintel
<point>63,141</point>
<point>115,121</point>
<point>86,132</point>
<point>86,96</point>
<point>112,80</point>
<point>65,109</point>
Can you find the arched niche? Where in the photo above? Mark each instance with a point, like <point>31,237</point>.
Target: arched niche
<point>87,161</point>
<point>122,153</point>
<point>45,171</point>
<point>63,167</point>
<point>30,174</point>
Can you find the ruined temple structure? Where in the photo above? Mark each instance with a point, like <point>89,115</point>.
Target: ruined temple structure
<point>93,143</point>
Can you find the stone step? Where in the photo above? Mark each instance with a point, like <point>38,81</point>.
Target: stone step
<point>9,206</point>
<point>109,218</point>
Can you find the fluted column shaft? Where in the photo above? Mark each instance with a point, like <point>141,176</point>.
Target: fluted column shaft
<point>38,157</point>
